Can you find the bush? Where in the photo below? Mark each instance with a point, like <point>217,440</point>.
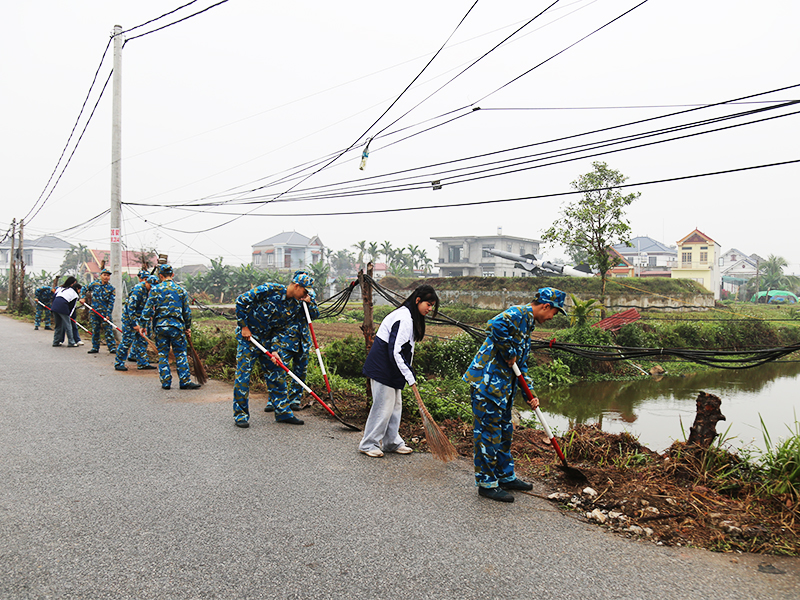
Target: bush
<point>445,358</point>
<point>346,357</point>
<point>586,336</point>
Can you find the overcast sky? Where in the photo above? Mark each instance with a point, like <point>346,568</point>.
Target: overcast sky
<point>255,95</point>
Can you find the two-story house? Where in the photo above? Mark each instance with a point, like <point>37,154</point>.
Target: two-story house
<point>647,254</point>
<point>287,251</point>
<point>42,254</point>
<point>468,256</point>
<point>698,258</point>
<point>737,268</point>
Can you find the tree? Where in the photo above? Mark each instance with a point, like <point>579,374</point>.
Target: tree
<point>343,263</point>
<point>581,311</point>
<point>595,220</point>
<point>386,249</point>
<point>771,275</point>
<point>362,250</point>
<point>320,271</point>
<point>373,250</point>
<point>74,259</point>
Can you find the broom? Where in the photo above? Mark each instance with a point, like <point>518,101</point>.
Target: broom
<point>440,446</point>
<point>199,369</point>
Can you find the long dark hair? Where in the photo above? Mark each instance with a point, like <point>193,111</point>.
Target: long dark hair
<point>425,293</point>
<point>68,282</point>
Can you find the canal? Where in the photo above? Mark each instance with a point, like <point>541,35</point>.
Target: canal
<point>653,409</point>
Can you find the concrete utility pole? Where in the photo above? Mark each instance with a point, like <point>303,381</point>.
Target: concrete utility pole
<point>116,178</point>
<point>12,259</point>
<point>21,274</point>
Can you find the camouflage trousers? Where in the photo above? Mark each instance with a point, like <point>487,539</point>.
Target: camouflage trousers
<point>246,357</point>
<point>132,343</point>
<point>297,361</point>
<point>38,317</point>
<point>492,431</point>
<point>99,324</point>
<point>174,337</point>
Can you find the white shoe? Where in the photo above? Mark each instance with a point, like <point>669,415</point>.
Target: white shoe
<point>80,343</point>
<point>403,450</point>
<point>374,453</point>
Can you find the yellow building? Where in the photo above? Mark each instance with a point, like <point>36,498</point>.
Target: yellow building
<point>697,260</point>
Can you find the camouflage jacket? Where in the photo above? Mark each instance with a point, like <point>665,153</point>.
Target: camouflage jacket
<point>134,305</point>
<point>509,336</point>
<point>44,294</point>
<point>168,306</point>
<point>266,311</point>
<point>102,295</point>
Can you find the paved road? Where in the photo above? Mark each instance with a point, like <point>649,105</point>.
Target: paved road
<point>113,488</point>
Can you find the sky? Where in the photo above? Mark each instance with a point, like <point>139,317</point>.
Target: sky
<point>273,103</point>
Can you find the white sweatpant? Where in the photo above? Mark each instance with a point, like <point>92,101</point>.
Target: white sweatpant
<point>383,422</point>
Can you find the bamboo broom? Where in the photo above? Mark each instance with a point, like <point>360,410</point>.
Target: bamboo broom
<point>199,368</point>
<point>440,445</point>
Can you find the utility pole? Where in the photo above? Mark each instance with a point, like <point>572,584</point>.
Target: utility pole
<point>12,259</point>
<point>21,274</point>
<point>116,177</point>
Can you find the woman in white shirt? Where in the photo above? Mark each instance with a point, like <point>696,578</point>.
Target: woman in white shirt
<point>63,306</point>
<point>388,366</point>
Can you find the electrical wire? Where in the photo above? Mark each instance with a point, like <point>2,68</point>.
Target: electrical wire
<point>135,37</point>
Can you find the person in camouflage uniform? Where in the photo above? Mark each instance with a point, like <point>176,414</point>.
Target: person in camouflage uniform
<point>138,352</point>
<point>44,295</point>
<point>266,313</point>
<point>493,387</point>
<point>102,295</point>
<point>292,345</point>
<point>168,306</point>
<point>132,339</point>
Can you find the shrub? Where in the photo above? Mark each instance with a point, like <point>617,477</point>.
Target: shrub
<point>586,336</point>
<point>346,357</point>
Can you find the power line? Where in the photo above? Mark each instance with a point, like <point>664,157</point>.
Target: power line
<point>174,22</point>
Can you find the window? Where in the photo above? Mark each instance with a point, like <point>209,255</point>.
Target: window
<point>703,256</point>
<point>256,259</point>
<point>454,254</point>
<point>522,249</point>
<point>287,258</point>
<point>686,257</point>
<point>486,254</point>
<point>270,259</point>
<point>508,248</point>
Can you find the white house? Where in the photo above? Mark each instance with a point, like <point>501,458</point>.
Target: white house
<point>648,254</point>
<point>287,251</point>
<point>468,256</point>
<point>42,254</point>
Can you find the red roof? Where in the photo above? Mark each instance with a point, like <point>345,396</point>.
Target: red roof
<point>615,322</point>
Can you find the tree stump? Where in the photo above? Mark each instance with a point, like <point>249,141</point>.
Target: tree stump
<point>704,429</point>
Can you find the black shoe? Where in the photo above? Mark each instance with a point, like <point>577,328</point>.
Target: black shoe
<point>56,344</point>
<point>516,484</point>
<point>131,359</point>
<point>293,421</point>
<point>191,386</point>
<point>495,494</point>
<point>112,351</point>
<point>146,368</point>
<point>93,351</point>
<point>269,408</point>
<point>46,328</point>
<point>165,387</point>
<point>242,424</point>
<point>120,368</point>
<point>36,328</point>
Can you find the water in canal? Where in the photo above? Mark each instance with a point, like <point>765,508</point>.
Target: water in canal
<point>653,409</point>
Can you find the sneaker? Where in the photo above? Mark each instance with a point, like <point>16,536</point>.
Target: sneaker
<point>191,386</point>
<point>403,450</point>
<point>374,453</point>
<point>269,408</point>
<point>243,424</point>
<point>131,359</point>
<point>112,351</point>
<point>165,387</point>
<point>79,343</point>
<point>36,328</point>
<point>46,328</point>
<point>93,351</point>
<point>72,345</point>
<point>516,484</point>
<point>56,344</point>
<point>293,421</point>
<point>145,368</point>
<point>120,368</point>
<point>495,493</point>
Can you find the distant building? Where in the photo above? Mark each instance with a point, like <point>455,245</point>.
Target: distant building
<point>698,260</point>
<point>41,254</point>
<point>647,254</point>
<point>468,256</point>
<point>130,262</point>
<point>287,251</point>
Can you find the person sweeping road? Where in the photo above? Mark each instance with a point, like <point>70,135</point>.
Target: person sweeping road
<point>168,306</point>
<point>388,367</point>
<point>45,295</point>
<point>132,340</point>
<point>493,388</point>
<point>268,313</point>
<point>102,294</point>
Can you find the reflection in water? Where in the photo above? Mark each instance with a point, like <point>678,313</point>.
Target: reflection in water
<point>654,409</point>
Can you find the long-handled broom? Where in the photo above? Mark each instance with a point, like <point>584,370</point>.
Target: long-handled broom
<point>199,368</point>
<point>277,360</point>
<point>440,445</point>
<point>571,472</point>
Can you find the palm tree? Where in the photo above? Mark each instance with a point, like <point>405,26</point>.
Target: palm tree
<point>74,259</point>
<point>362,249</point>
<point>386,249</point>
<point>425,262</point>
<point>217,278</point>
<point>413,252</point>
<point>373,249</point>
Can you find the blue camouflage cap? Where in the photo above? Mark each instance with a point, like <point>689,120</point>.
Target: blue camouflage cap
<point>143,274</point>
<point>303,278</point>
<point>104,270</point>
<point>165,269</point>
<point>553,297</point>
<point>153,280</point>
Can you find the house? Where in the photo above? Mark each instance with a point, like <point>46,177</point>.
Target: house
<point>42,254</point>
<point>622,266</point>
<point>648,255</point>
<point>468,256</point>
<point>130,262</point>
<point>287,251</point>
<point>699,256</point>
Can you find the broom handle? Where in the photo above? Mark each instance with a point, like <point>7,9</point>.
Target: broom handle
<point>316,347</point>
<point>524,385</point>
<point>71,319</point>
<point>107,320</point>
